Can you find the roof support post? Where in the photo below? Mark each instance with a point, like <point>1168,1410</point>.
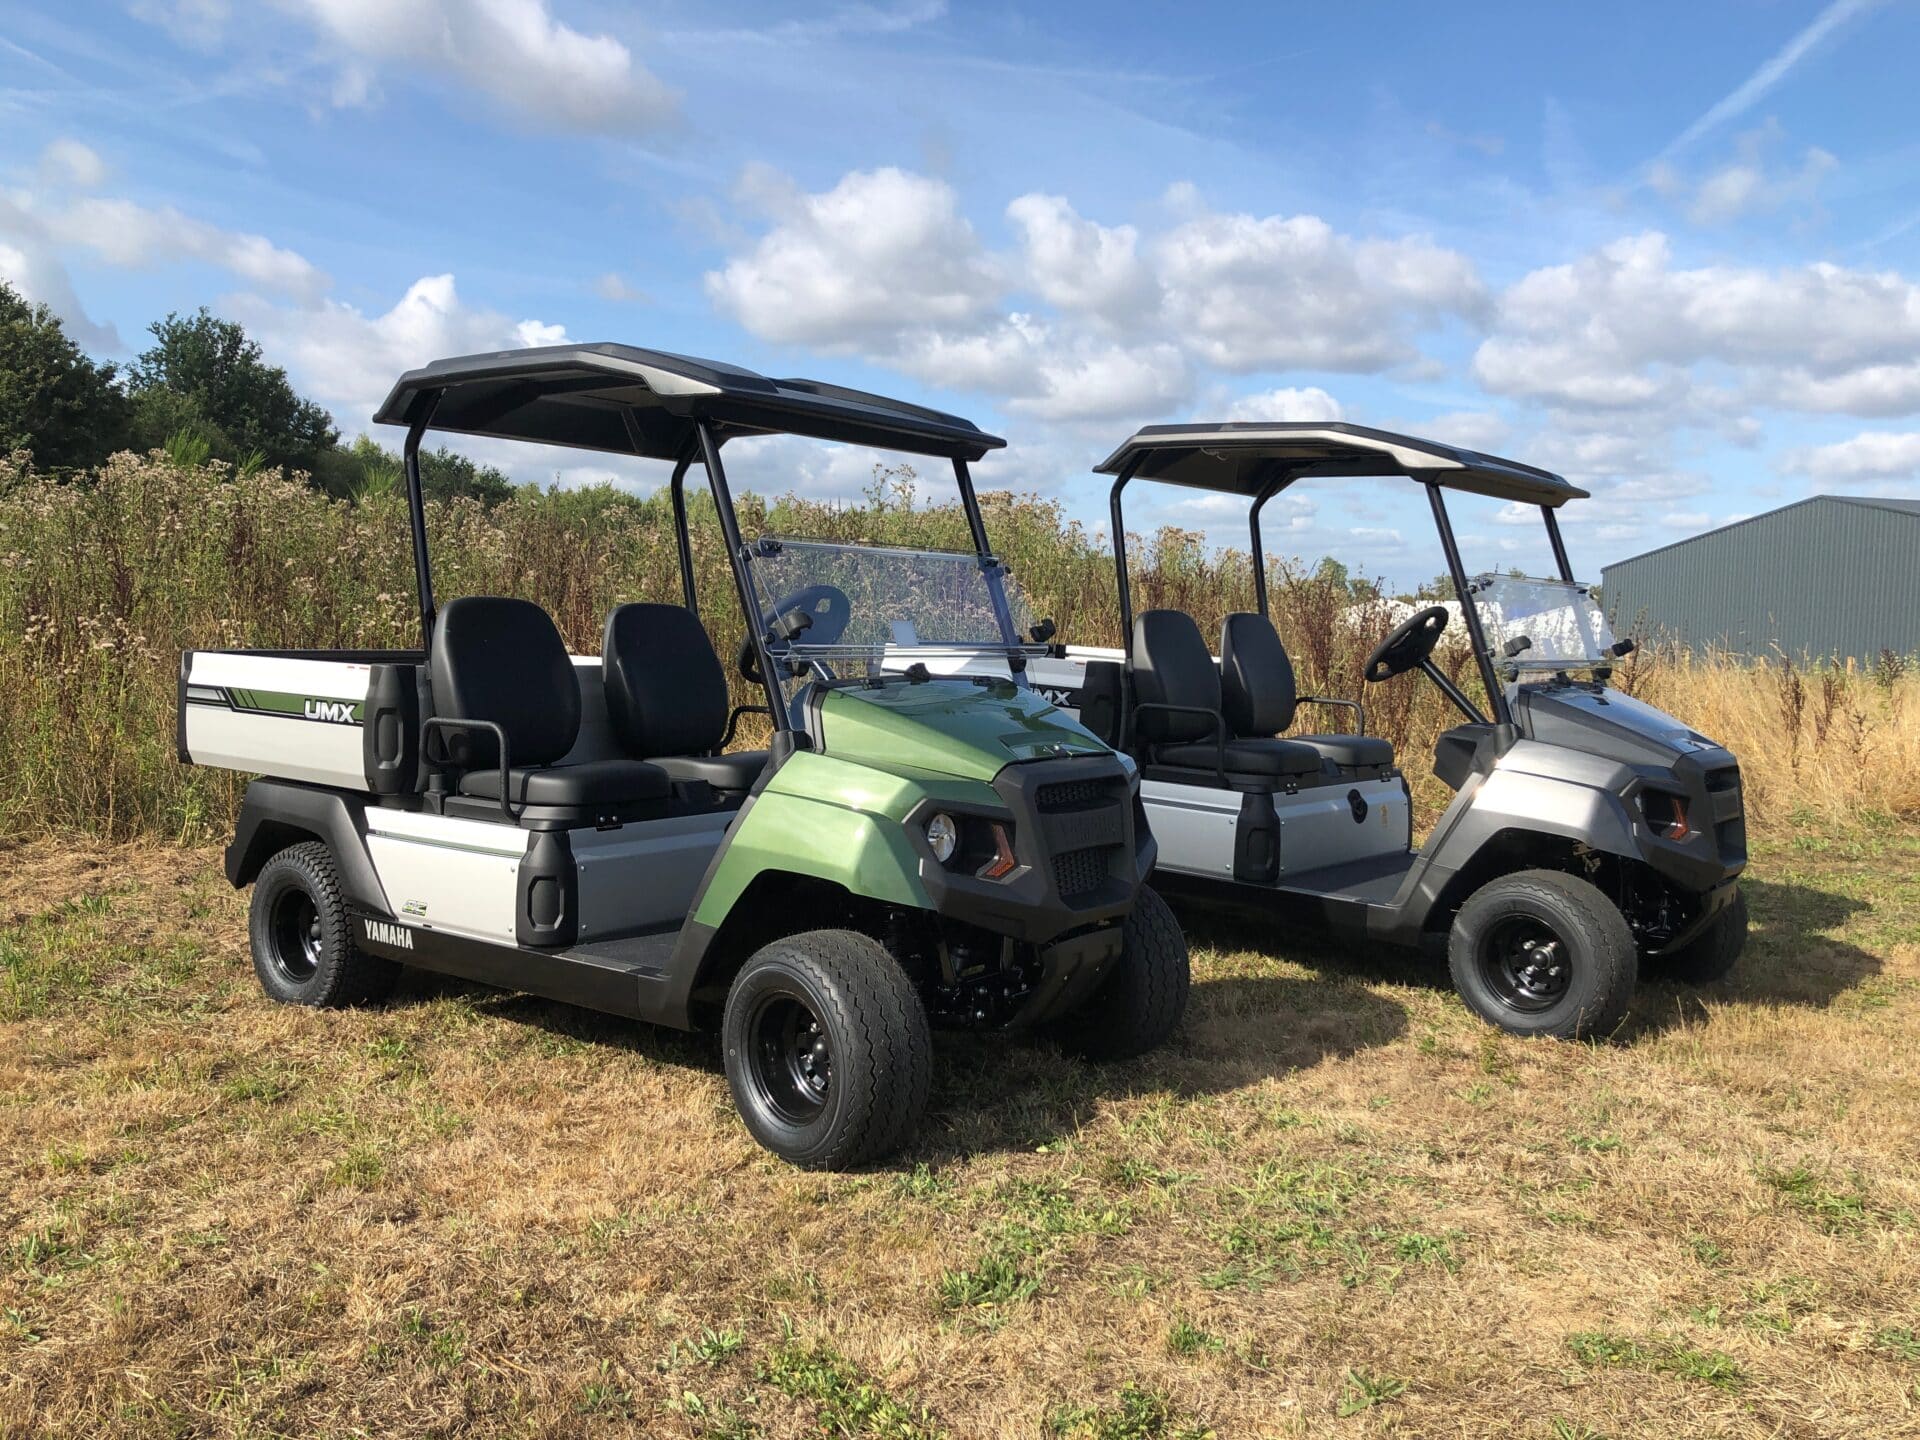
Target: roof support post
<point>1117,518</point>
<point>990,568</point>
<point>678,487</point>
<point>1266,492</point>
<point>1476,636</point>
<point>417,512</point>
<point>1559,545</point>
<point>742,577</point>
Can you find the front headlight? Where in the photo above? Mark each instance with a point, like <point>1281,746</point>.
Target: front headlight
<point>1666,814</point>
<point>943,835</point>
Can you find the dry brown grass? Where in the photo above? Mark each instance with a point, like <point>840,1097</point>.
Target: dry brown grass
<point>473,1214</point>
<point>103,583</point>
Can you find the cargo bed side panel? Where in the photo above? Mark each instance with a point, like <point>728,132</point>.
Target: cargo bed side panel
<point>296,719</point>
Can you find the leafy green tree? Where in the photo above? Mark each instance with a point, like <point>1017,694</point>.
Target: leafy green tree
<point>366,468</point>
<point>54,401</point>
<point>220,388</point>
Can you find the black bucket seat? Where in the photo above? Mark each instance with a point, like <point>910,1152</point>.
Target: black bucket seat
<point>1178,710</point>
<point>667,696</point>
<point>502,660</point>
<point>1259,695</point>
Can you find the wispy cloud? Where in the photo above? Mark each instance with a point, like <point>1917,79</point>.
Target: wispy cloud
<point>1750,91</point>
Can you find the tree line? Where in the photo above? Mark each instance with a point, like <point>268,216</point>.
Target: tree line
<point>202,390</point>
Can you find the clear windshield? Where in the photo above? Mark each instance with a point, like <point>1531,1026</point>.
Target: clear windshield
<point>866,602</point>
<point>1562,624</point>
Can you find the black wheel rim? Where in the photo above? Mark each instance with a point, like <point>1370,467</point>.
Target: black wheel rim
<point>1526,963</point>
<point>789,1058</point>
<point>296,936</point>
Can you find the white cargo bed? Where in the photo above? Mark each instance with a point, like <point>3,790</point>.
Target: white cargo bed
<point>274,713</point>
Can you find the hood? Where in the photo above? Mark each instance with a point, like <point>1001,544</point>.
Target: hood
<point>953,727</point>
<point>1612,725</point>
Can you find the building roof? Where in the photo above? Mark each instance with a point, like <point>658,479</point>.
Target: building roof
<point>1242,457</point>
<point>1875,502</point>
<point>628,401</point>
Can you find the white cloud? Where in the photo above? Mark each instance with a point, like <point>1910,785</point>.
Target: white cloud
<point>348,360</point>
<point>1870,455</point>
<point>32,268</point>
<point>135,236</point>
<point>68,162</point>
<point>882,255</point>
<point>1079,265</point>
<point>1622,327</point>
<point>885,265</point>
<point>1746,185</point>
<point>1868,390</point>
<point>1289,292</point>
<point>514,52</point>
<point>1287,403</point>
<point>1469,429</point>
<point>1094,381</point>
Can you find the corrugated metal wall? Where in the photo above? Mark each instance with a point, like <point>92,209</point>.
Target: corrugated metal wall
<point>1824,577</point>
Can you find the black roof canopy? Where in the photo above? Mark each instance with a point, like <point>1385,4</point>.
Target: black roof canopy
<point>1243,457</point>
<point>629,401</point>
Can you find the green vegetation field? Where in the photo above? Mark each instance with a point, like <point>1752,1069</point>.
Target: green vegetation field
<point>1336,1205</point>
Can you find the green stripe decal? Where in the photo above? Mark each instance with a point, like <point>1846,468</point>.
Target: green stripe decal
<point>295,707</point>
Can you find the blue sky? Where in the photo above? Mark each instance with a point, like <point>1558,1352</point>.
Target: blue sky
<point>1670,251</point>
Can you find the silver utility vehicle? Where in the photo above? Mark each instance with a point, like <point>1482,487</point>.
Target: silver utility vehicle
<point>1588,832</point>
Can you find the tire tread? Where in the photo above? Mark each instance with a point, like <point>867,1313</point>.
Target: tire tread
<point>1606,932</point>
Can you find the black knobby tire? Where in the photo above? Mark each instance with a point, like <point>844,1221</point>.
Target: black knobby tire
<point>827,1049</point>
<point>1710,955</point>
<point>1142,999</point>
<point>1544,953</point>
<point>302,936</point>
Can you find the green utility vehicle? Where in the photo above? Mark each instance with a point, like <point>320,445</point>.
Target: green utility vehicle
<point>908,851</point>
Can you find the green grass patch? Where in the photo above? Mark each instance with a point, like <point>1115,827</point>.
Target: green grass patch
<point>1599,1349</point>
<point>848,1402</point>
<point>1137,1413</point>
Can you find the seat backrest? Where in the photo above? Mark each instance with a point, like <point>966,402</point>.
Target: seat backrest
<point>1171,666</point>
<point>1256,678</point>
<point>666,692</point>
<point>503,660</point>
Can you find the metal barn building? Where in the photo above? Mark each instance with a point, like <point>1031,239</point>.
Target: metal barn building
<point>1837,576</point>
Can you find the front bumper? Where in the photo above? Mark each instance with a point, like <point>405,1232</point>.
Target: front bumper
<point>1714,851</point>
<point>1081,847</point>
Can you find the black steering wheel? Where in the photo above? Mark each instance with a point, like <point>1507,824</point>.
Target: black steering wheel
<point>1411,642</point>
<point>826,610</point>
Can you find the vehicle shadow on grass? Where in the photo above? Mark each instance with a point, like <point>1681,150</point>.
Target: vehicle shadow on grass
<point>1004,1093</point>
<point>553,1024</point>
<point>1794,956</point>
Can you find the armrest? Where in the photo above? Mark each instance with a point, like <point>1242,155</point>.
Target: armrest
<point>1219,731</point>
<point>442,722</point>
<point>733,722</point>
<point>1359,714</point>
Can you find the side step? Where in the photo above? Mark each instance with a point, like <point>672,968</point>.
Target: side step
<point>605,975</point>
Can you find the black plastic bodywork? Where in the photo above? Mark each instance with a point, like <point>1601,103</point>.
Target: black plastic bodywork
<point>1664,755</point>
<point>277,813</point>
<point>1036,903</point>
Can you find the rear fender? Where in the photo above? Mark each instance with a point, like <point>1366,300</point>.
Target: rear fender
<point>279,813</point>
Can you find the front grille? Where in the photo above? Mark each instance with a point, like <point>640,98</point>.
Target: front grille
<point>1729,813</point>
<point>1080,871</point>
<point>1074,795</point>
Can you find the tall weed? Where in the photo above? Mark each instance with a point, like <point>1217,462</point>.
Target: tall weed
<point>105,580</point>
